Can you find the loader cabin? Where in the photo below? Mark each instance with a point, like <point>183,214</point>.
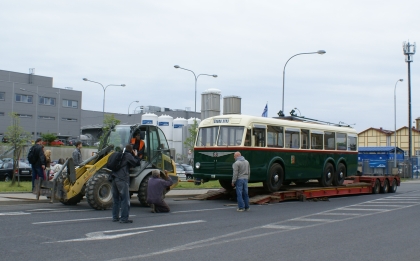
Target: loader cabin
<point>152,139</point>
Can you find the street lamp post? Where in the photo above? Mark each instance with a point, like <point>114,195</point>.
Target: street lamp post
<point>130,105</point>
<point>395,124</point>
<point>36,110</point>
<point>195,77</point>
<point>298,111</point>
<point>409,50</point>
<point>104,88</point>
<point>284,71</point>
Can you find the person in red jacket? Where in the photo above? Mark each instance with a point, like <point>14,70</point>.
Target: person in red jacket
<point>155,191</point>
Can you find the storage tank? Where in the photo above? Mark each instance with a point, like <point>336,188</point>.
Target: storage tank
<point>179,123</point>
<point>165,123</point>
<point>149,119</point>
<point>210,103</point>
<point>231,105</point>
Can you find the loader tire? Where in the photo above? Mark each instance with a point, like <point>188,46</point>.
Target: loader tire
<point>98,192</point>
<point>73,201</point>
<point>142,193</point>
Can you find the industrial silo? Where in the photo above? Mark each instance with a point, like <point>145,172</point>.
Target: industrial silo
<point>165,123</point>
<point>178,133</point>
<point>149,119</point>
<point>231,105</point>
<point>210,103</point>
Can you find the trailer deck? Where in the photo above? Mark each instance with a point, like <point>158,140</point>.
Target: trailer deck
<point>354,185</point>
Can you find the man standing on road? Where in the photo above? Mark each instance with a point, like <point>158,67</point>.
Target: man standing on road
<point>39,162</point>
<point>120,184</point>
<point>241,174</point>
<point>155,191</point>
<point>77,154</point>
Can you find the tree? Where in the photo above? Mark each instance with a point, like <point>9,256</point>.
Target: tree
<point>48,137</point>
<point>109,122</point>
<point>18,138</point>
<point>190,140</point>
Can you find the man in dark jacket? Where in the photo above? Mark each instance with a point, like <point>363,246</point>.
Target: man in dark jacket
<point>39,165</point>
<point>155,191</point>
<point>120,184</point>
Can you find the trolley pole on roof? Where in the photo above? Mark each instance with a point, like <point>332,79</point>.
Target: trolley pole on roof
<point>409,51</point>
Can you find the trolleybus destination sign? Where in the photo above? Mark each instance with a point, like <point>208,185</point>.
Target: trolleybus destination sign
<point>221,121</point>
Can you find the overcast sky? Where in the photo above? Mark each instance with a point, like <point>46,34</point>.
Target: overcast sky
<point>246,43</point>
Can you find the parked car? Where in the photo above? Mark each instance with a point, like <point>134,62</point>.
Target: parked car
<point>6,171</point>
<point>96,144</point>
<point>54,143</point>
<point>4,140</point>
<point>189,171</point>
<point>71,142</point>
<point>180,172</point>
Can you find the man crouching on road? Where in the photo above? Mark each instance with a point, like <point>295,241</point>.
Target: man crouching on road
<point>155,191</point>
<point>120,184</point>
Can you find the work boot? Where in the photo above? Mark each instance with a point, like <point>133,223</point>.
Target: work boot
<point>126,221</point>
<point>152,206</point>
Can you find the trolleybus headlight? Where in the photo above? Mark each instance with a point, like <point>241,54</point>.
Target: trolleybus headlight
<point>197,165</point>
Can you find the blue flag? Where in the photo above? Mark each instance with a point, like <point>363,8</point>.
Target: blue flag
<point>265,112</point>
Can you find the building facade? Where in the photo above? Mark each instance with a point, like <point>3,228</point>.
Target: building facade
<point>40,107</point>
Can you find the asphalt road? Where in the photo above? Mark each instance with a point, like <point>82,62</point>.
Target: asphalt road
<point>369,227</point>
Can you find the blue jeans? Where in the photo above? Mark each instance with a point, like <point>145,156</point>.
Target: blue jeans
<point>242,193</point>
<point>121,199</point>
<point>37,172</point>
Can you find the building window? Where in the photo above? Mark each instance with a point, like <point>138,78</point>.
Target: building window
<point>24,115</point>
<point>47,101</point>
<point>2,95</point>
<point>68,119</point>
<point>23,98</point>
<point>46,118</point>
<point>417,152</point>
<point>70,104</point>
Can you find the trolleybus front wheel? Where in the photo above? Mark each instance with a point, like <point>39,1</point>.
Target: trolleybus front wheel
<point>275,178</point>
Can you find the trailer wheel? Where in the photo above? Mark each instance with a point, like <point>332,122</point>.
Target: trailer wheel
<point>226,184</point>
<point>99,192</point>
<point>142,193</point>
<point>385,187</point>
<point>275,178</point>
<point>393,187</point>
<point>73,201</point>
<point>339,175</point>
<point>327,175</point>
<point>377,187</point>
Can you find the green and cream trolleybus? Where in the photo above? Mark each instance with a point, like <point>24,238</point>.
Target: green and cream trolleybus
<point>280,150</point>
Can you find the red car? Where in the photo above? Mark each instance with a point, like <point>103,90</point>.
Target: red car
<point>54,143</point>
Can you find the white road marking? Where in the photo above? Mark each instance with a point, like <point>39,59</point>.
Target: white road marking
<point>201,210</point>
<point>102,235</point>
<point>14,213</point>
<point>313,220</point>
<point>71,220</point>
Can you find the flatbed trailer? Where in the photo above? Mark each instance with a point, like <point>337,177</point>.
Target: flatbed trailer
<point>353,185</point>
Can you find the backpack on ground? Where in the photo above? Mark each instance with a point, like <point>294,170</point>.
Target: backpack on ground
<point>114,161</point>
<point>31,155</point>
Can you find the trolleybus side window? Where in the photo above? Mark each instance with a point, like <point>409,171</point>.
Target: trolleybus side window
<point>207,136</point>
<point>259,136</point>
<point>352,143</point>
<point>329,140</point>
<point>275,136</point>
<point>305,139</point>
<point>248,138</point>
<point>341,141</point>
<point>317,138</point>
<point>292,138</point>
<point>230,136</point>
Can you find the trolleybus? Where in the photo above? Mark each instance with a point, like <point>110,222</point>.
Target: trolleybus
<point>279,150</point>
